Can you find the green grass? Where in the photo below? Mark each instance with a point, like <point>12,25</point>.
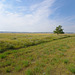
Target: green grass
<point>18,68</point>
<point>37,54</point>
<point>71,67</point>
<point>8,69</point>
<point>25,63</point>
<point>29,72</point>
<point>48,70</point>
<point>17,41</point>
<point>66,61</point>
<point>2,56</point>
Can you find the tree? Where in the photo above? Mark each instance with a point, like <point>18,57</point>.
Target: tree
<point>59,30</point>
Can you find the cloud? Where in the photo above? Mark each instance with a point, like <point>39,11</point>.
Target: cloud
<point>3,0</point>
<point>35,21</point>
<point>34,18</point>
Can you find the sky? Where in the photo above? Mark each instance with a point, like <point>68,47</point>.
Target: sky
<point>37,15</point>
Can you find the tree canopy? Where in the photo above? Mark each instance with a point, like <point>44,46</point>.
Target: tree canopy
<point>59,30</point>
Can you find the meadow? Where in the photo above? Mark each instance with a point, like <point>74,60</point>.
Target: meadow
<point>37,54</point>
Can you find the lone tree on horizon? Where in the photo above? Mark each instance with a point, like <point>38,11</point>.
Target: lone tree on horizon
<point>59,30</point>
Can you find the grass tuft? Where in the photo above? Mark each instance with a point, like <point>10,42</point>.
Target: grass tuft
<point>2,56</point>
<point>66,61</point>
<point>18,68</point>
<point>71,67</point>
<point>25,63</point>
<point>29,72</point>
<point>8,69</point>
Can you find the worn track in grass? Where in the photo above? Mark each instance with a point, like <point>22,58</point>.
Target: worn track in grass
<point>56,57</point>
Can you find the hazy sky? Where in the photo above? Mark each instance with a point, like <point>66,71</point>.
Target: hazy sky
<point>37,15</point>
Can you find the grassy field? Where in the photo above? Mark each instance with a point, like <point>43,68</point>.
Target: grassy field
<point>37,54</point>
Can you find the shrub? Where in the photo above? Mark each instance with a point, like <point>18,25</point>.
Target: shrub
<point>59,30</point>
